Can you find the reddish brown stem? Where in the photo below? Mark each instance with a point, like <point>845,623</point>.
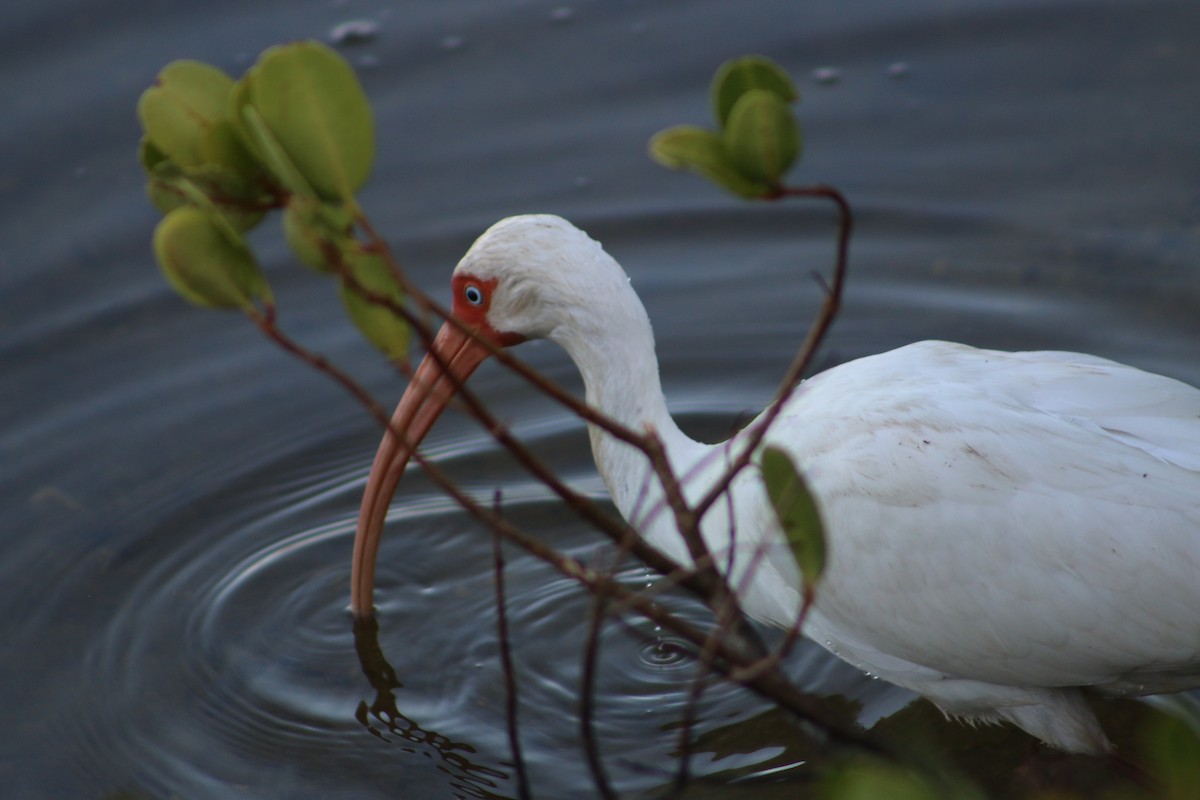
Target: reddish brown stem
<point>506,662</point>
<point>808,349</point>
<point>587,697</point>
<point>729,655</point>
<point>715,588</point>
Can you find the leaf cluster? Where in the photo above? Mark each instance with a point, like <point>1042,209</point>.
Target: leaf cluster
<point>294,133</point>
<point>758,137</point>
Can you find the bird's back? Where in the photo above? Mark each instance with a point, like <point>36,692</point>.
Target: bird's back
<point>1028,519</point>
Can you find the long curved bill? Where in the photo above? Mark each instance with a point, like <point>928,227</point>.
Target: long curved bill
<point>427,395</point>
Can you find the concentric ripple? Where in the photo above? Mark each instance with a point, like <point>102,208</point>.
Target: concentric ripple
<point>238,623</point>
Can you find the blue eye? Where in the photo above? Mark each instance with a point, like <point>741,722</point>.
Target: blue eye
<point>473,294</point>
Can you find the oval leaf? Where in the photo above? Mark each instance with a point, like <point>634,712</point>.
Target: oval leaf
<point>702,151</point>
<point>209,187</point>
<point>225,187</point>
<point>148,155</point>
<point>239,98</point>
<point>736,77</point>
<point>275,159</point>
<point>163,196</point>
<point>161,171</point>
<point>176,113</point>
<point>206,263</point>
<point>379,324</point>
<point>311,101</point>
<point>318,232</point>
<point>797,513</point>
<point>223,146</point>
<point>762,136</point>
<point>258,140</point>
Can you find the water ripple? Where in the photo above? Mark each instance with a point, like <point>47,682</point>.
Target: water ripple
<point>233,651</point>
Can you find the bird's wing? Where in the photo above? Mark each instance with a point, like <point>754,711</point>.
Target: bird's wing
<point>1007,517</point>
<point>1153,413</point>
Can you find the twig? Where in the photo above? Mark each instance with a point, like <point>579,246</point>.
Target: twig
<point>749,652</point>
<point>687,521</point>
<point>587,694</point>
<point>808,349</point>
<point>510,677</point>
<point>704,580</point>
<point>642,441</point>
<point>265,321</point>
<point>729,654</point>
<point>700,584</point>
<point>728,615</point>
<point>430,306</point>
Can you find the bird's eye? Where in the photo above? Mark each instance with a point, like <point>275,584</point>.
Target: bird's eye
<point>473,294</point>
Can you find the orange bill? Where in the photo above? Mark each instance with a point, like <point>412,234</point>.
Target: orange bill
<point>452,357</point>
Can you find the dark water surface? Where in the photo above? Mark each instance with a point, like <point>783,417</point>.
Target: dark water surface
<point>178,497</point>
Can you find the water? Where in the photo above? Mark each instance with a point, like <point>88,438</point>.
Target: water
<point>179,496</point>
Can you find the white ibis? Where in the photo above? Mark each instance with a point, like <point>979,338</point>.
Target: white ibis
<point>1005,530</point>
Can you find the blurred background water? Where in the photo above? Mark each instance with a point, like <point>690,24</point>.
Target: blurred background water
<point>178,496</point>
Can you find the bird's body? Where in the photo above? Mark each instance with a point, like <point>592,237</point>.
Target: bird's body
<point>1003,528</point>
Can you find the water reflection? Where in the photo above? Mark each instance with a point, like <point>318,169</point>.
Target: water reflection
<point>474,780</point>
<point>765,747</point>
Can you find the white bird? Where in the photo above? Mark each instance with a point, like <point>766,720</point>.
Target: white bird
<point>1004,529</point>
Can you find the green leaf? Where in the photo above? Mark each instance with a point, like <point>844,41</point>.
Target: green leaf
<point>163,196</point>
<point>259,142</point>
<point>228,190</point>
<point>162,171</point>
<point>379,324</point>
<point>239,98</point>
<point>314,107</point>
<point>1171,749</point>
<point>740,75</point>
<point>318,233</point>
<point>191,148</point>
<point>705,152</point>
<point>207,262</point>
<point>210,187</point>
<point>868,780</point>
<point>797,513</point>
<point>762,136</point>
<point>223,146</point>
<point>148,155</point>
<point>273,155</point>
<point>177,112</point>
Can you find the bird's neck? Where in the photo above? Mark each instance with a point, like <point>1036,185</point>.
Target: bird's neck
<point>613,346</point>
<point>611,342</point>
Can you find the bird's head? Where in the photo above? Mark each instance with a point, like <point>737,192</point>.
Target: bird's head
<point>527,277</point>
